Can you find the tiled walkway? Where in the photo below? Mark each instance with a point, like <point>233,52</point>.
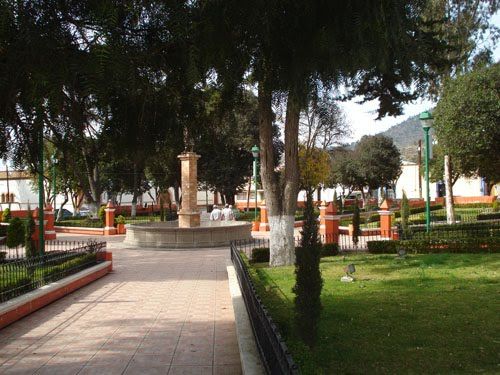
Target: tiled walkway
<point>159,312</point>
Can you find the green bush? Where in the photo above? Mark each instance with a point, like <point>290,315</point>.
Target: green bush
<point>495,206</point>
<point>489,216</point>
<point>473,205</point>
<point>433,245</point>
<point>121,220</point>
<point>101,213</point>
<point>405,215</point>
<point>383,247</point>
<point>29,229</point>
<point>308,280</point>
<point>355,224</point>
<point>465,230</point>
<point>329,249</point>
<point>260,255</point>
<point>6,215</point>
<point>3,230</point>
<point>418,210</point>
<point>3,254</point>
<point>15,232</point>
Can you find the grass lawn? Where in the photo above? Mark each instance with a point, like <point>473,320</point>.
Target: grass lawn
<point>436,313</point>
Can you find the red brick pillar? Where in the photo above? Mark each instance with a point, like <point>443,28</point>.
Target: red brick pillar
<point>385,220</point>
<point>36,217</point>
<point>109,225</point>
<point>50,230</point>
<point>329,223</point>
<point>264,220</point>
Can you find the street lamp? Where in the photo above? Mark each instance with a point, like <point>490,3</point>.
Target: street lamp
<point>255,154</point>
<point>426,121</point>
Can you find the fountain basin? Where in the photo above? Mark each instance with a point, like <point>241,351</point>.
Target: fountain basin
<point>168,235</point>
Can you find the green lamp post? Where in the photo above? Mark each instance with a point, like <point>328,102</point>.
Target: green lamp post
<point>255,154</point>
<point>41,216</point>
<point>426,120</point>
<point>54,194</point>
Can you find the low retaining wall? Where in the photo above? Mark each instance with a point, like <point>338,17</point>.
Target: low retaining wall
<point>19,307</point>
<point>81,230</point>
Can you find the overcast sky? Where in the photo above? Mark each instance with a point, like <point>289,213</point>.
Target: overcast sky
<point>362,116</point>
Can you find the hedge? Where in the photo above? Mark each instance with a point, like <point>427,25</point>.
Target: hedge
<point>489,216</point>
<point>261,254</point>
<point>428,246</point>
<point>465,230</point>
<point>418,210</point>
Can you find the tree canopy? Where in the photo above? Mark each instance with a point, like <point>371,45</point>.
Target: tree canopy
<point>467,118</point>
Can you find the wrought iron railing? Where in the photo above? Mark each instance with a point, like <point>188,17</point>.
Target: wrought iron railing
<point>23,275</point>
<point>272,348</point>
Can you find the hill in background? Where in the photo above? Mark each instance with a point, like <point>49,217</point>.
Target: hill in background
<point>405,136</point>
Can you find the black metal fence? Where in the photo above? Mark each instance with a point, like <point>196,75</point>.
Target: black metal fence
<point>19,252</point>
<point>272,348</point>
<point>23,275</point>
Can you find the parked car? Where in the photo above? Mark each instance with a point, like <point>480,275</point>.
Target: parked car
<point>65,213</point>
<point>84,212</point>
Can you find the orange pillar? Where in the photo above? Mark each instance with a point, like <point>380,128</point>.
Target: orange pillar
<point>385,220</point>
<point>329,223</point>
<point>109,226</point>
<point>264,220</point>
<point>50,231</point>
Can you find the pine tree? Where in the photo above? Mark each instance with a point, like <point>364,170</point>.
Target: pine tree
<point>355,224</point>
<point>405,215</point>
<point>308,282</point>
<point>29,245</point>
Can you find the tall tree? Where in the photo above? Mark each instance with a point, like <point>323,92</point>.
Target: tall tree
<point>469,109</point>
<point>291,47</point>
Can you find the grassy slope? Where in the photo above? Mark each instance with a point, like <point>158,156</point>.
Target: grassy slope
<point>426,314</point>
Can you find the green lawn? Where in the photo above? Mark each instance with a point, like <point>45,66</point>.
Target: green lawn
<point>426,314</point>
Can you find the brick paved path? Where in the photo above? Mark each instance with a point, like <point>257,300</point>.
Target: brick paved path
<point>159,312</point>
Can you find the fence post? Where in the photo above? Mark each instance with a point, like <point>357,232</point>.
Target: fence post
<point>329,222</point>
<point>109,226</point>
<point>50,232</point>
<point>385,220</point>
<point>264,221</point>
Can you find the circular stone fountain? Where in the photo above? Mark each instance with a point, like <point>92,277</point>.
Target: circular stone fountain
<point>169,235</point>
<point>189,232</point>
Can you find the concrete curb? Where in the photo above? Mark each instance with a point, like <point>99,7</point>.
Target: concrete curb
<point>17,308</point>
<point>249,354</point>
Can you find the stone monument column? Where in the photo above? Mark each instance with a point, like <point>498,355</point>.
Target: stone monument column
<point>189,216</point>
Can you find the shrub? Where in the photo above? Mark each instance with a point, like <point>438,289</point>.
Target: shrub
<point>495,206</point>
<point>15,233</point>
<point>489,216</point>
<point>329,249</point>
<point>355,224</point>
<point>418,210</point>
<point>308,281</point>
<point>29,244</point>
<point>121,220</point>
<point>260,255</point>
<point>433,245</point>
<point>466,230</point>
<point>6,215</point>
<point>101,213</point>
<point>3,254</point>
<point>383,247</point>
<point>405,215</point>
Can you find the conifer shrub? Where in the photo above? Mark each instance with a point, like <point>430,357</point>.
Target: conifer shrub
<point>15,233</point>
<point>308,281</point>
<point>29,244</point>
<point>6,215</point>
<point>405,215</point>
<point>356,221</point>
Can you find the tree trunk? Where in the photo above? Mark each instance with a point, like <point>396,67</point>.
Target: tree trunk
<point>60,212</point>
<point>450,214</point>
<point>281,198</point>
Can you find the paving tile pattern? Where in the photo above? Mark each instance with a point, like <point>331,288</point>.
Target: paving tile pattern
<point>158,313</point>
